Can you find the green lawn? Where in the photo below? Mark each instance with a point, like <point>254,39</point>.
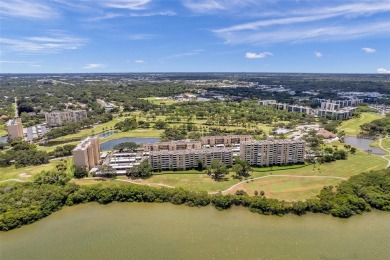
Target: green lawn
<point>385,143</point>
<point>286,188</point>
<point>352,126</point>
<point>3,130</point>
<point>159,100</point>
<point>14,173</point>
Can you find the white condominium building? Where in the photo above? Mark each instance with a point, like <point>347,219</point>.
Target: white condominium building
<point>188,159</point>
<point>15,129</point>
<point>267,102</point>
<point>57,118</point>
<point>172,146</point>
<point>273,152</point>
<point>87,153</point>
<point>225,140</point>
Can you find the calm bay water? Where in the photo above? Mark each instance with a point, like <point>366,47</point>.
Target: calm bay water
<point>165,231</point>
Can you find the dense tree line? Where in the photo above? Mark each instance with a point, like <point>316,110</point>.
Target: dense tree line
<point>379,126</point>
<point>23,154</point>
<point>24,203</point>
<point>62,151</point>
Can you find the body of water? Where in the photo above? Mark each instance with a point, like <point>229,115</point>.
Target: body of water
<point>363,144</point>
<point>107,134</point>
<point>3,139</point>
<point>165,231</point>
<point>138,140</point>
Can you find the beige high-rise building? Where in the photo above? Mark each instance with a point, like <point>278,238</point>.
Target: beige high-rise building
<point>188,159</point>
<point>273,152</point>
<point>225,140</point>
<point>57,118</point>
<point>15,129</point>
<point>87,153</point>
<point>172,146</point>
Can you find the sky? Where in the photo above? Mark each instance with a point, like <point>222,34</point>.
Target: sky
<point>81,36</point>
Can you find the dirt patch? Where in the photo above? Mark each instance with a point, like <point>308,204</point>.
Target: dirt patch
<point>24,175</point>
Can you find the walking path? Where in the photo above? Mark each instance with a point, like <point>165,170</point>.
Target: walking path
<point>13,180</point>
<point>149,184</point>
<point>386,150</point>
<point>280,175</point>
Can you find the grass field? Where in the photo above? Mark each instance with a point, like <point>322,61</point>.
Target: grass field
<point>286,188</point>
<point>159,100</point>
<point>14,173</point>
<point>352,126</point>
<point>385,143</point>
<point>3,130</point>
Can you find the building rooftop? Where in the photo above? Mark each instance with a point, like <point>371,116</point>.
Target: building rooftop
<point>279,141</point>
<point>191,151</point>
<point>85,143</point>
<point>14,121</point>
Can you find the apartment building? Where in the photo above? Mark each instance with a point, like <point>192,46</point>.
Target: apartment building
<point>273,152</point>
<point>337,104</point>
<point>344,113</point>
<point>172,146</point>
<point>224,140</point>
<point>188,159</point>
<point>87,153</point>
<point>293,108</point>
<point>267,102</point>
<point>15,129</point>
<point>58,118</point>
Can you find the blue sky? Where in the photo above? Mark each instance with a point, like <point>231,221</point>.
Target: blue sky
<point>50,36</point>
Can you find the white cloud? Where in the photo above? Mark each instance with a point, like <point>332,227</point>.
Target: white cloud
<point>94,66</point>
<point>126,4</point>
<point>298,34</point>
<point>383,71</point>
<point>189,53</point>
<point>139,61</point>
<point>53,43</point>
<point>318,54</point>
<point>147,14</point>
<point>204,6</point>
<point>26,9</point>
<point>141,36</point>
<point>311,24</point>
<point>368,50</point>
<point>253,55</point>
<point>225,6</point>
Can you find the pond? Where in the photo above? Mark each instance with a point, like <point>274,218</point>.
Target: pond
<point>138,140</point>
<point>165,231</point>
<point>363,144</point>
<point>107,134</point>
<point>3,139</point>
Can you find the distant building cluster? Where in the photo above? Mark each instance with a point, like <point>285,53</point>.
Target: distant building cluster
<point>338,109</point>
<point>87,153</point>
<point>58,118</point>
<point>15,129</point>
<point>107,106</point>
